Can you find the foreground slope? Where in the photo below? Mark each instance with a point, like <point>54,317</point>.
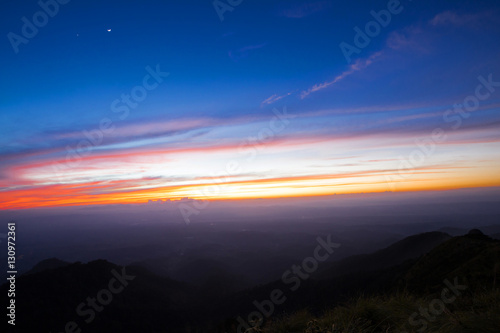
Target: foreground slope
<point>453,288</point>
<point>101,297</point>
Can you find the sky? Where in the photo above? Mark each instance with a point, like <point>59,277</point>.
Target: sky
<point>131,101</point>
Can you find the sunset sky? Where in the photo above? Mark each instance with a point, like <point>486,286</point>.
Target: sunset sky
<point>130,101</point>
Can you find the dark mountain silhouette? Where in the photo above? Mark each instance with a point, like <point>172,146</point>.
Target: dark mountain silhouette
<point>495,236</point>
<point>408,248</point>
<point>473,257</point>
<point>453,288</point>
<point>488,230</point>
<point>50,296</point>
<point>48,264</point>
<point>48,300</point>
<point>202,272</point>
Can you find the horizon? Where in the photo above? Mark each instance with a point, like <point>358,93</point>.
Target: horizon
<point>460,205</point>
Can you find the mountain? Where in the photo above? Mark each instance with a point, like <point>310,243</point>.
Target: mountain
<point>378,292</point>
<point>208,274</point>
<point>47,264</point>
<point>408,248</point>
<point>472,260</point>
<point>488,230</point>
<point>100,297</point>
<point>474,257</point>
<point>453,288</point>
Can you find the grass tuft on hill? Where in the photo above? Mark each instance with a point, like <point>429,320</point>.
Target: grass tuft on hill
<point>472,313</point>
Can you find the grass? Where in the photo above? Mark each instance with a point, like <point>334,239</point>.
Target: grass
<point>469,313</point>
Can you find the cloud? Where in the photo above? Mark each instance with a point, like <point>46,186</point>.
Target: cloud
<point>237,55</point>
<point>303,10</point>
<point>356,67</point>
<point>420,37</point>
<point>412,38</point>
<point>452,18</point>
<point>274,98</point>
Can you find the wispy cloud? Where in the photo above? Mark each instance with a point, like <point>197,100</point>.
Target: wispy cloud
<point>360,64</point>
<point>421,36</point>
<point>237,55</point>
<point>274,98</point>
<point>455,19</point>
<point>306,9</point>
<point>411,38</point>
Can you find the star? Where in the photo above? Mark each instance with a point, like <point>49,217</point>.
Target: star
<point>109,30</point>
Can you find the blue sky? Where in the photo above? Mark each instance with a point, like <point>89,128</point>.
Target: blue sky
<point>226,77</point>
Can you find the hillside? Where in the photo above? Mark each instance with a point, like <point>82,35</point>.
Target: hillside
<point>47,264</point>
<point>453,288</point>
<point>473,257</point>
<point>408,248</point>
<point>378,299</point>
<point>140,301</point>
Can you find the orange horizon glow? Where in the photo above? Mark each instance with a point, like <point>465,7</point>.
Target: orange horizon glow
<point>286,167</point>
<point>77,194</point>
